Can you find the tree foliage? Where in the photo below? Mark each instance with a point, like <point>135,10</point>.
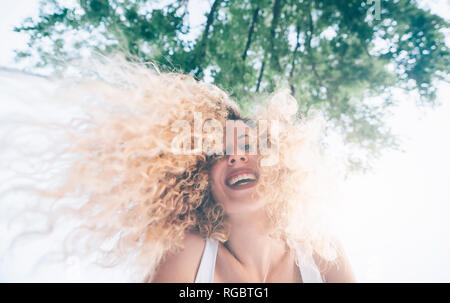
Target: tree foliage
<point>332,55</point>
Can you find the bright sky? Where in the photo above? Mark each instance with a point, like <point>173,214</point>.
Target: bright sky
<point>396,218</point>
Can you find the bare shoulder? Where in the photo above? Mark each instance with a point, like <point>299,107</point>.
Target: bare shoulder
<point>181,266</point>
<point>337,271</point>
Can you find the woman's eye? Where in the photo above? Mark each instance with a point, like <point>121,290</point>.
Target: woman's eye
<point>245,147</point>
<point>214,156</point>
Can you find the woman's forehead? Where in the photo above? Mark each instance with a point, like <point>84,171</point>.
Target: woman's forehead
<point>236,137</point>
<point>235,130</point>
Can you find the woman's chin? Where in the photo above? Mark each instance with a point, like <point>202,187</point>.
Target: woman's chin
<point>244,203</point>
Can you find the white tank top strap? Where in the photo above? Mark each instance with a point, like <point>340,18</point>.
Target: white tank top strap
<point>308,268</point>
<point>205,273</point>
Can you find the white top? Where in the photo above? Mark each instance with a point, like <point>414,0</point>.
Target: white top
<point>205,273</point>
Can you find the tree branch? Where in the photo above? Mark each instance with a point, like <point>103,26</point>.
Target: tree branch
<point>309,48</point>
<point>200,51</point>
<point>261,72</point>
<point>276,16</point>
<point>250,32</point>
<point>291,73</point>
<point>313,63</point>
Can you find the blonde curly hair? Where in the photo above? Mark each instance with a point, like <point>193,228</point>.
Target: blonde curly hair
<point>144,197</point>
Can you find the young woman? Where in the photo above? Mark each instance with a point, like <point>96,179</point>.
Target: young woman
<point>156,195</point>
<point>249,253</point>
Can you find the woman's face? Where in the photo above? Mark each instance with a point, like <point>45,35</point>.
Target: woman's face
<point>234,178</point>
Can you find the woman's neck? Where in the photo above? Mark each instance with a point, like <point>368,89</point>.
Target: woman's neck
<point>249,242</point>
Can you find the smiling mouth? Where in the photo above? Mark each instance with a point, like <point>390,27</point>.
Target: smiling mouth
<point>243,180</point>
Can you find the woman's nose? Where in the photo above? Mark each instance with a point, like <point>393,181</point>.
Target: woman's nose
<point>232,159</point>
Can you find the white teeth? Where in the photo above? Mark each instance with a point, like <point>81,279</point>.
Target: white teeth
<point>238,178</point>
